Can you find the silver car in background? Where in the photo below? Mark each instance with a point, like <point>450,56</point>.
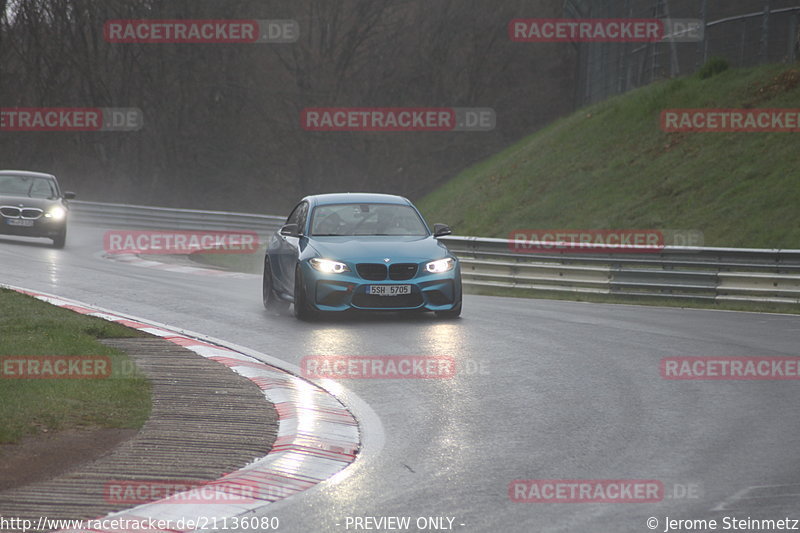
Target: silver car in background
<point>32,205</point>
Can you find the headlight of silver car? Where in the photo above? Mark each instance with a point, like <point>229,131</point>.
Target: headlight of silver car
<point>56,213</point>
<point>328,266</point>
<point>441,265</point>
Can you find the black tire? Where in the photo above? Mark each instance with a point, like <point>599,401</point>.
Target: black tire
<point>270,299</point>
<point>61,239</point>
<point>455,312</point>
<point>302,310</point>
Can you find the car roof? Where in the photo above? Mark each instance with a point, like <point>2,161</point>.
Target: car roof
<point>26,173</point>
<point>356,197</point>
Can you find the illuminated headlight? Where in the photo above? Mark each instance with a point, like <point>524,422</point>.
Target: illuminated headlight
<point>442,265</point>
<point>57,213</point>
<point>328,267</point>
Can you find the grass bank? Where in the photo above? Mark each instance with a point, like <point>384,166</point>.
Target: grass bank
<point>29,327</point>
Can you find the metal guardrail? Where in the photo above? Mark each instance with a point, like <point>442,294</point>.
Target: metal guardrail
<point>144,217</point>
<point>716,274</point>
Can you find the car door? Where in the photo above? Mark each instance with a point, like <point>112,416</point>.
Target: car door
<point>288,248</point>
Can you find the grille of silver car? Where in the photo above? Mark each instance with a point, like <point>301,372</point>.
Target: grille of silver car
<point>31,213</point>
<point>28,213</point>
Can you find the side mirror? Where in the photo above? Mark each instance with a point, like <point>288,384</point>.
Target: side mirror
<point>288,230</point>
<point>69,195</point>
<point>440,230</point>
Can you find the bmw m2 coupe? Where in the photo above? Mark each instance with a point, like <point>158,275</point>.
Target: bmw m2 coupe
<point>373,252</point>
<point>32,205</point>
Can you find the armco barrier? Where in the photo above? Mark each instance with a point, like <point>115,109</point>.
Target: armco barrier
<point>721,274</point>
<point>733,274</point>
<point>143,217</point>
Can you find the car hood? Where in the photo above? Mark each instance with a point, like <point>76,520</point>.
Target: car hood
<point>25,201</point>
<point>378,248</point>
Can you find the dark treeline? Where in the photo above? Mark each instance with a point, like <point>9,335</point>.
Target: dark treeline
<point>222,121</point>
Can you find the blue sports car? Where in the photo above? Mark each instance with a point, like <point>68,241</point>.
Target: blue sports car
<point>360,251</point>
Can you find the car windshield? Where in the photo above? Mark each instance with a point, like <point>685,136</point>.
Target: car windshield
<point>366,219</point>
<point>30,186</point>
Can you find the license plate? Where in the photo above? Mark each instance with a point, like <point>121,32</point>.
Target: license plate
<point>19,222</point>
<point>388,290</point>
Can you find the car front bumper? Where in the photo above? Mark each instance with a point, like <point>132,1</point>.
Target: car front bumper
<point>42,227</point>
<point>340,292</point>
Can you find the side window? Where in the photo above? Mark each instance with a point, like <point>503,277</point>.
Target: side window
<point>299,216</point>
<point>303,215</point>
<point>295,216</point>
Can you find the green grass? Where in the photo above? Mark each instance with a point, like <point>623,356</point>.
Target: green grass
<point>29,327</point>
<point>610,166</point>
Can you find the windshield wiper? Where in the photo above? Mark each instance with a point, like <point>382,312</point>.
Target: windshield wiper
<point>390,234</point>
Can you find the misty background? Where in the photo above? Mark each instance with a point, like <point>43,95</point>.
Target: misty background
<point>222,121</point>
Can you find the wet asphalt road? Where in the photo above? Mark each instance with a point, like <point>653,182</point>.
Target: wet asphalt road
<point>545,390</point>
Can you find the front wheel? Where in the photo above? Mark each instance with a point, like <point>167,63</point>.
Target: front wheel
<point>271,300</point>
<point>60,240</point>
<point>302,310</point>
